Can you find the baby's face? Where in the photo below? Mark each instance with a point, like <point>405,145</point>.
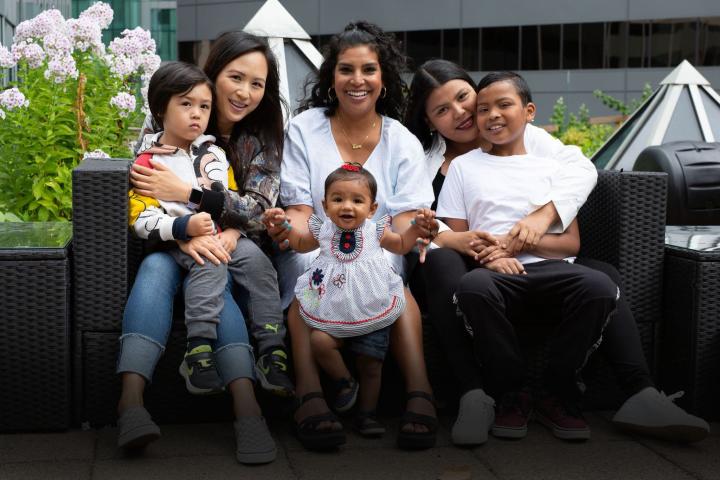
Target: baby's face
<point>347,203</point>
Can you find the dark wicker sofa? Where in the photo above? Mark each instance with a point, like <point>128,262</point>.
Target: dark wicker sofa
<point>622,224</point>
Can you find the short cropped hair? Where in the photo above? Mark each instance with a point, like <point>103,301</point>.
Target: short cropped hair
<point>521,86</point>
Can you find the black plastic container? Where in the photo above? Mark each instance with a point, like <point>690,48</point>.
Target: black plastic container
<point>694,180</point>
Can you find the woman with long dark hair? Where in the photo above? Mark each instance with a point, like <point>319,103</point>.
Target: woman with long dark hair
<point>441,113</point>
<point>248,124</point>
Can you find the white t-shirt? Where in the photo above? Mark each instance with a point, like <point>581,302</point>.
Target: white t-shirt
<point>492,193</point>
<point>572,183</point>
<point>397,163</point>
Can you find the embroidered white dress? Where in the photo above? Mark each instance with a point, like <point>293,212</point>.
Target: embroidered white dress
<point>350,289</point>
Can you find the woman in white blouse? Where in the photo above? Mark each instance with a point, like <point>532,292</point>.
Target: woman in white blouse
<point>441,113</point>
<point>352,116</point>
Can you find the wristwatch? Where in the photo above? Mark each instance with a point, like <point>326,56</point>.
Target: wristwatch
<point>196,195</point>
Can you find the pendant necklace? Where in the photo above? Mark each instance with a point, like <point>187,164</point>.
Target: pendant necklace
<point>355,146</point>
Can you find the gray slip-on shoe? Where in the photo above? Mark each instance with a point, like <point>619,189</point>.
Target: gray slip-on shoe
<point>254,442</point>
<point>136,428</point>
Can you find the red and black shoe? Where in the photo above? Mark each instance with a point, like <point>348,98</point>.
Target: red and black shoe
<point>512,414</point>
<point>563,417</point>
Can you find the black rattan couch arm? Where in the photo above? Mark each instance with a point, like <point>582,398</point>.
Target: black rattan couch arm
<point>623,223</point>
<point>103,250</point>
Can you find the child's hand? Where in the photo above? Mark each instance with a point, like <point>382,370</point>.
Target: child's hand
<point>200,224</point>
<point>508,265</point>
<point>422,244</point>
<point>426,223</point>
<point>228,239</point>
<point>492,253</point>
<point>278,226</point>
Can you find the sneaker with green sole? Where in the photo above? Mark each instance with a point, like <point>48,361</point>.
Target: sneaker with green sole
<point>199,371</point>
<point>272,373</point>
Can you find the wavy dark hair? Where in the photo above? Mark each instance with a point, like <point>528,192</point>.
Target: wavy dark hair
<point>429,76</point>
<point>266,121</point>
<point>392,64</point>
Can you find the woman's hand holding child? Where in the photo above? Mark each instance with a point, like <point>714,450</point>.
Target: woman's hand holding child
<point>427,228</point>
<point>228,239</point>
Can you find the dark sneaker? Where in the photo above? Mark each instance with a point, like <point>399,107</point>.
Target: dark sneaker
<point>563,418</point>
<point>272,372</point>
<point>512,415</point>
<point>198,370</point>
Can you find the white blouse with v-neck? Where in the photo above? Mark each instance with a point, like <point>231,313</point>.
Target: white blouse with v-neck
<point>397,163</point>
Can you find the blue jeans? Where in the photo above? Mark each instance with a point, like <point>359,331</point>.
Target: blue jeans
<point>148,320</point>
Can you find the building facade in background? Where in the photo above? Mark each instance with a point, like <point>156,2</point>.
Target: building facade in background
<point>158,16</point>
<point>564,48</point>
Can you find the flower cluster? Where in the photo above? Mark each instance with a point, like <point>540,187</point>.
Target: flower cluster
<point>124,102</point>
<point>13,98</point>
<point>36,28</point>
<point>30,52</point>
<point>7,59</point>
<point>95,154</point>
<point>133,51</point>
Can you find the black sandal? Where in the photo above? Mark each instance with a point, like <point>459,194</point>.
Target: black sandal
<point>307,432</point>
<point>418,440</point>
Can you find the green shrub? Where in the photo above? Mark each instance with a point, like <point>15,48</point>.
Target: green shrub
<point>71,98</point>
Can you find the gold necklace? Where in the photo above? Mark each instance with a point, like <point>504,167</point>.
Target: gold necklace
<point>355,146</point>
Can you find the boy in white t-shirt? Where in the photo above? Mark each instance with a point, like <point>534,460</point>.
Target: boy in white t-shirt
<point>491,192</point>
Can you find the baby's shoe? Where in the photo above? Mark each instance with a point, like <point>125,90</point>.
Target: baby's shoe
<point>347,389</point>
<point>367,424</point>
<point>650,412</point>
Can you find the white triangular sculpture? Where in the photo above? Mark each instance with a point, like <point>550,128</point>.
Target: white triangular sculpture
<point>275,23</point>
<point>684,107</point>
<point>684,74</point>
<point>272,20</point>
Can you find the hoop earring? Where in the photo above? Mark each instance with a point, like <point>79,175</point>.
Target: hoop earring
<point>384,92</point>
<point>330,97</point>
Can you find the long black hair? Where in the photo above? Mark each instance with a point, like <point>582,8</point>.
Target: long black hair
<point>429,76</point>
<point>266,121</point>
<point>392,63</point>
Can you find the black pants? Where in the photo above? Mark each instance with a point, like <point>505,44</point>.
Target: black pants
<point>442,272</point>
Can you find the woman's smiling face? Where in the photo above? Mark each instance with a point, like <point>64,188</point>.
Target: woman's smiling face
<point>240,88</point>
<point>450,109</point>
<point>357,80</point>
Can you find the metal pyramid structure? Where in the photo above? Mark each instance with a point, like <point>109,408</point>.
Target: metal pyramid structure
<point>297,56</point>
<point>684,107</point>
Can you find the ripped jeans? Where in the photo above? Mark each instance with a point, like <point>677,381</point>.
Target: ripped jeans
<point>148,320</point>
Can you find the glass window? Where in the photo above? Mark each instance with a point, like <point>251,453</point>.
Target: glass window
<point>500,48</point>
<point>451,45</point>
<point>571,46</point>
<point>162,28</point>
<point>591,45</point>
<point>550,41</point>
<point>638,44</point>
<point>531,42</point>
<point>186,52</point>
<point>660,38</point>
<point>615,41</point>
<point>471,49</point>
<point>683,42</point>
<point>709,41</point>
<point>423,45</point>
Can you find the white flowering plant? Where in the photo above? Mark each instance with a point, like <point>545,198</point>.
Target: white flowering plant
<point>73,98</point>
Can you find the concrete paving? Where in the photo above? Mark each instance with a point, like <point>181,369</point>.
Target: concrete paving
<point>206,451</point>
